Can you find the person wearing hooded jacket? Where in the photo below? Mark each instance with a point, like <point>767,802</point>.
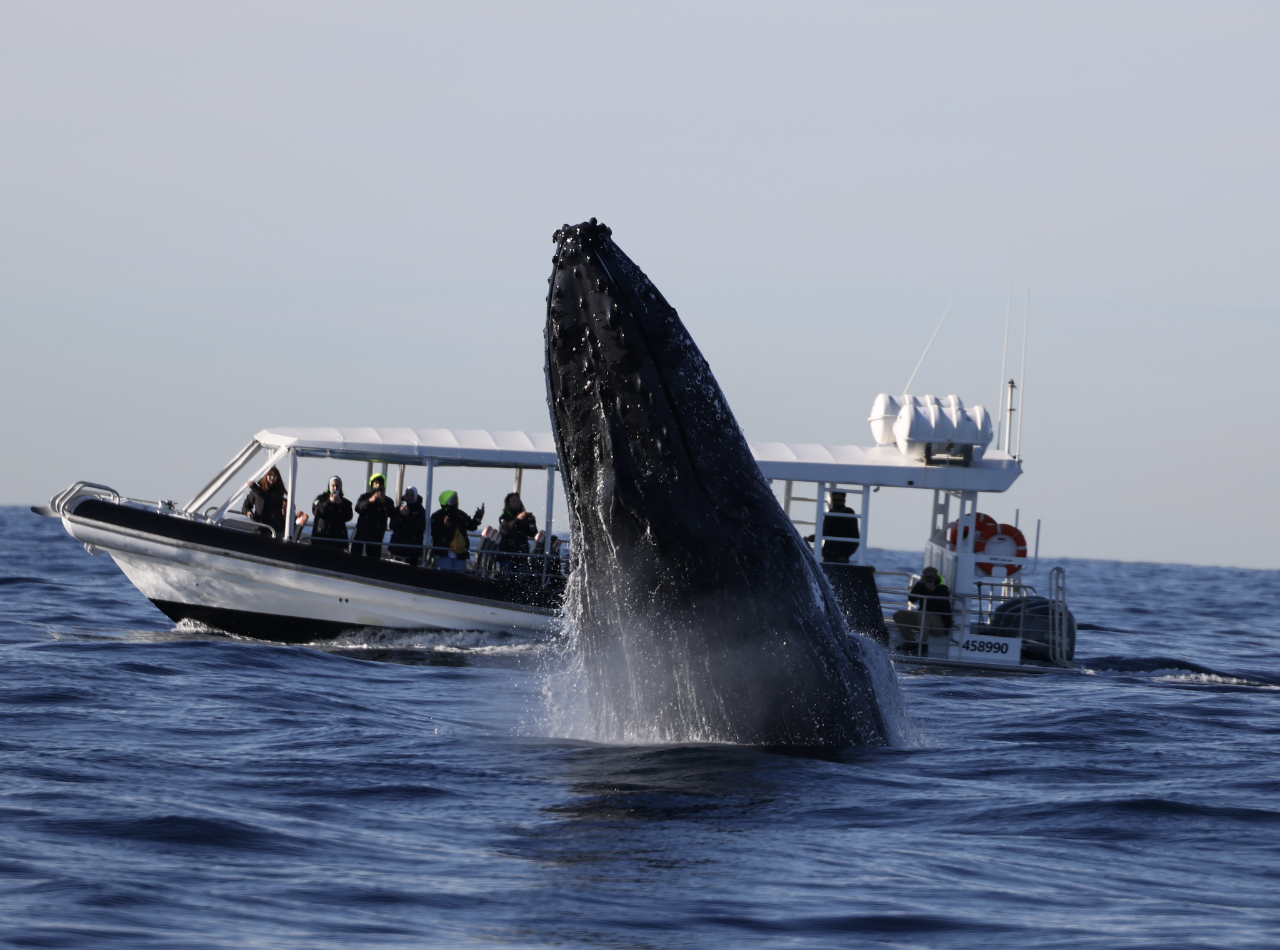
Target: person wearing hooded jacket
<point>375,510</point>
<point>332,511</point>
<point>265,502</point>
<point>409,527</point>
<point>446,523</point>
<point>516,528</point>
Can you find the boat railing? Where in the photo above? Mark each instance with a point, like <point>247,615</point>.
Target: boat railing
<point>65,501</point>
<point>239,522</point>
<point>61,503</point>
<point>994,594</point>
<point>1059,645</point>
<point>484,559</point>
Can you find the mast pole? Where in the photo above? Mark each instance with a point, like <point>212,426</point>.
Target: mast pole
<point>1022,396</point>
<point>1004,359</point>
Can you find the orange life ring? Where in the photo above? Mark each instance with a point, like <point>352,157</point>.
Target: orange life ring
<point>1005,531</point>
<point>986,529</point>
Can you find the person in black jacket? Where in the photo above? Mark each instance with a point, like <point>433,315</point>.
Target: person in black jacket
<point>516,528</point>
<point>332,511</point>
<point>932,599</point>
<point>841,526</point>
<point>265,502</point>
<point>375,510</point>
<point>451,550</point>
<point>409,527</point>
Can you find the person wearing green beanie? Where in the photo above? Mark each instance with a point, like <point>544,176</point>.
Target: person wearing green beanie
<point>450,545</point>
<point>375,510</point>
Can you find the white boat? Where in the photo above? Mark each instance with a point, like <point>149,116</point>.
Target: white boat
<point>203,561</point>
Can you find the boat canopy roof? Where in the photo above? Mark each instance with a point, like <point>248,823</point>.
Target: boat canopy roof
<point>475,447</point>
<point>881,465</point>
<point>803,462</point>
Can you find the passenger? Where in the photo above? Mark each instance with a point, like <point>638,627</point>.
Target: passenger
<point>332,511</point>
<point>516,528</point>
<point>557,559</point>
<point>933,601</point>
<point>375,510</point>
<point>449,527</point>
<point>409,527</point>
<point>838,552</point>
<point>265,502</point>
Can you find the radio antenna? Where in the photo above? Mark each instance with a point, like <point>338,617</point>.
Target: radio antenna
<point>1022,397</point>
<point>907,388</point>
<point>1004,359</point>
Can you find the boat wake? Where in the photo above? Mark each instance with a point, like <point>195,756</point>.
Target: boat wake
<point>1171,671</point>
<point>475,642</point>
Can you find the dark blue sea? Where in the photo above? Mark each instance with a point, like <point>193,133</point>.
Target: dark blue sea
<point>166,787</point>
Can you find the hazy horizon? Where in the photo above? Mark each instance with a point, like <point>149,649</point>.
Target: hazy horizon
<point>223,219</point>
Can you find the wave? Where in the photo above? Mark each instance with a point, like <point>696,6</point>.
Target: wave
<point>479,642</point>
<point>1173,671</point>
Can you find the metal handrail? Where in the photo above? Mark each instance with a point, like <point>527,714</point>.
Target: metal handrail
<point>246,521</point>
<point>1058,617</point>
<point>472,564</point>
<point>59,501</point>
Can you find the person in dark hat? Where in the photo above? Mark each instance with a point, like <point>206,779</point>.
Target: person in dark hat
<point>332,511</point>
<point>409,527</point>
<point>375,510</point>
<point>932,600</point>
<point>516,528</point>
<point>839,522</point>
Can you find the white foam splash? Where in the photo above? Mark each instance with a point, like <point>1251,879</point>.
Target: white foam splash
<point>566,708</point>
<point>482,642</point>
<point>1205,679</point>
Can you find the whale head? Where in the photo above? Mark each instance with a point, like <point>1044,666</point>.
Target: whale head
<point>698,610</point>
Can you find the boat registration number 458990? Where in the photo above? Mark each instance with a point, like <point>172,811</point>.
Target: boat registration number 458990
<point>982,648</point>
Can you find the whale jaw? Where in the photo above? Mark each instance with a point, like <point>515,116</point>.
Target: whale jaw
<point>699,613</point>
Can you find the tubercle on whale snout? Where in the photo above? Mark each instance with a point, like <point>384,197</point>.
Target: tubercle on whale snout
<point>590,229</point>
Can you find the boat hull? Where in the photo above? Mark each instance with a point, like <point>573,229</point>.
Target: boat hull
<point>255,592</point>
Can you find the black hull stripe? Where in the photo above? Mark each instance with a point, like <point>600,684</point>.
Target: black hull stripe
<point>245,623</point>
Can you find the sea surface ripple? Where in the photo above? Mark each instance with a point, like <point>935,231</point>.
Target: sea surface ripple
<point>172,787</point>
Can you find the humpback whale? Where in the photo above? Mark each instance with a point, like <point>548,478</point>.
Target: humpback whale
<point>697,612</point>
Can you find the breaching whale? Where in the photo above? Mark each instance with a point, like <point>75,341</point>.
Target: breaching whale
<point>698,612</point>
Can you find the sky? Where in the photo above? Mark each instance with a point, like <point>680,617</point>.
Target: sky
<point>216,218</point>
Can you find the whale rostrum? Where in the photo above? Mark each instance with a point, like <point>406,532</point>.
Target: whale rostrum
<point>698,612</point>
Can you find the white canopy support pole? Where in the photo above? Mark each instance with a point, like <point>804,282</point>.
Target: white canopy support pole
<point>819,503</point>
<point>382,470</point>
<point>368,474</point>
<point>228,472</point>
<point>546,525</point>
<point>238,495</point>
<point>519,480</point>
<point>546,521</point>
<point>399,483</point>
<point>291,508</point>
<point>428,503</point>
<point>866,507</point>
<point>786,498</point>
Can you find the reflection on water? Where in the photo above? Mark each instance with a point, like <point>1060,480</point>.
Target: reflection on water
<point>165,781</point>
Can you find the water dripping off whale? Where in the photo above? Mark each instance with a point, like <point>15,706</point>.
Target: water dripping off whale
<point>696,611</point>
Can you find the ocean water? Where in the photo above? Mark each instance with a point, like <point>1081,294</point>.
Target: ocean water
<point>165,787</point>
